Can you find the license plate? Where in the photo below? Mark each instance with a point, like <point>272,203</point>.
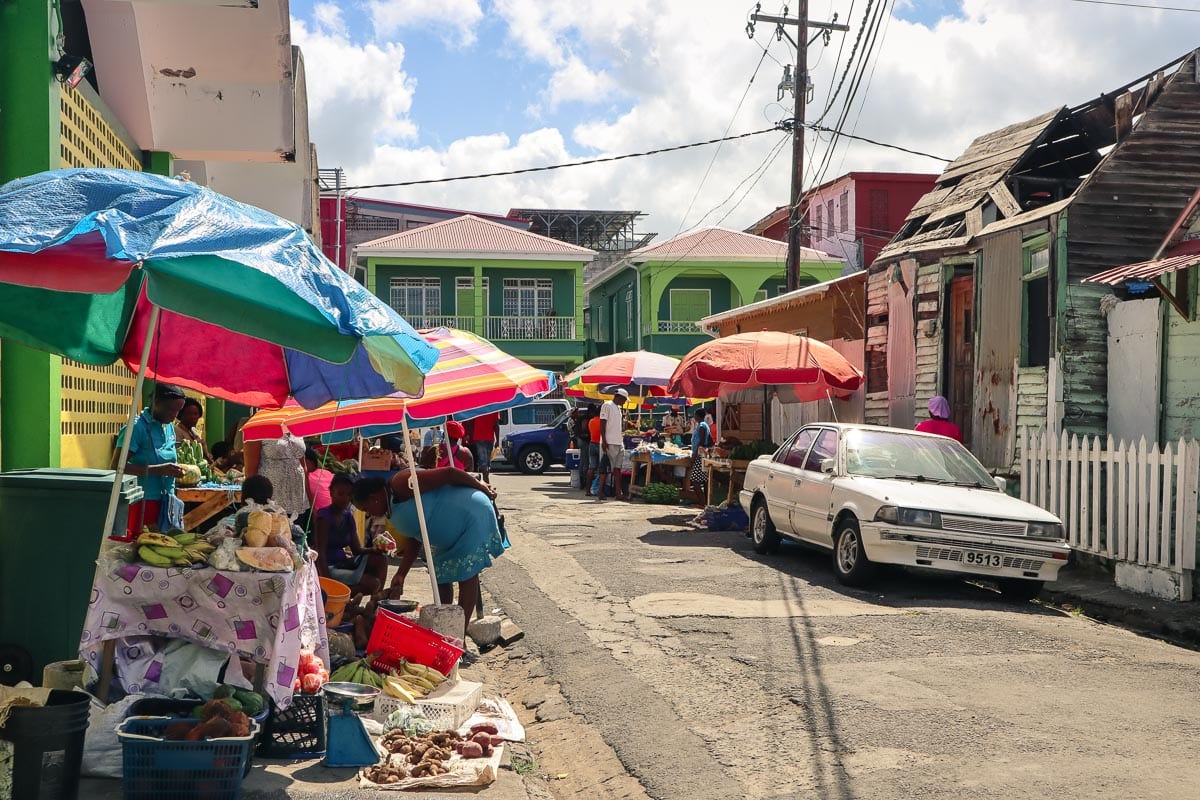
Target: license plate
<point>973,558</point>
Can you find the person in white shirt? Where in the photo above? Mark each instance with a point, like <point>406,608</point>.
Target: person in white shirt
<point>612,444</point>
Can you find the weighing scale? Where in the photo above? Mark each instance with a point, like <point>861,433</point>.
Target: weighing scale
<point>348,743</point>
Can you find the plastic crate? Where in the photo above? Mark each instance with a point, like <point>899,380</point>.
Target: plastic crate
<point>447,707</point>
<point>155,768</point>
<point>394,638</point>
<point>182,708</point>
<point>297,731</point>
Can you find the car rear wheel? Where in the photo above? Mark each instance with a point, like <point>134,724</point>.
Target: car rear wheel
<point>850,562</point>
<point>762,531</point>
<point>534,460</point>
<point>1019,590</point>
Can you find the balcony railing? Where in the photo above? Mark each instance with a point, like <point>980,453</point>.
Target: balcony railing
<point>673,326</point>
<point>549,328</point>
<point>462,323</point>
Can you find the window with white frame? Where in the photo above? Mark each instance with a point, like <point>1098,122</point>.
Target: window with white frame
<point>416,297</point>
<point>464,296</point>
<point>760,295</point>
<point>528,297</point>
<point>690,305</point>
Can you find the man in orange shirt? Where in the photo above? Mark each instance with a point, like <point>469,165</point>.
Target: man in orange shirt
<point>593,449</point>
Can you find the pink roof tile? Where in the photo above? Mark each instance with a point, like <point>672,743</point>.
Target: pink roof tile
<point>723,243</point>
<point>469,233</point>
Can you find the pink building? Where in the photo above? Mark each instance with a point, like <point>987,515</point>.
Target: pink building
<point>852,217</point>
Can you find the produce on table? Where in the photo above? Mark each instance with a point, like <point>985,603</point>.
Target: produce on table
<point>661,493</point>
<point>266,559</point>
<point>752,450</point>
<point>163,550</point>
<point>190,456</point>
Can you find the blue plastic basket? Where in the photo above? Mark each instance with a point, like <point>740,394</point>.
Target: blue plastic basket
<point>729,519</point>
<point>155,768</point>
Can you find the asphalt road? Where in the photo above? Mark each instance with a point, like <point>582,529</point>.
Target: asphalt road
<point>717,673</point>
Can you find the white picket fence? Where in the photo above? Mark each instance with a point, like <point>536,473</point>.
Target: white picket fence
<point>1135,504</point>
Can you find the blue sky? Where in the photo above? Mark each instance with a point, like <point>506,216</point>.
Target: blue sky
<point>418,89</point>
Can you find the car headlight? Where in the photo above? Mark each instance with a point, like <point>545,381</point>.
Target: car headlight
<point>1045,530</point>
<point>911,517</point>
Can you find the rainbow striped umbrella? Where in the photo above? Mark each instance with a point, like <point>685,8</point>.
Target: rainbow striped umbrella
<point>471,377</point>
<point>636,367</point>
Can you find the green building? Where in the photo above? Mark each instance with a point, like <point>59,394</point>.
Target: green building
<point>520,290</point>
<point>243,133</point>
<point>652,298</point>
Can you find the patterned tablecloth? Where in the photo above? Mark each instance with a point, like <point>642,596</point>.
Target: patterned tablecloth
<point>265,616</point>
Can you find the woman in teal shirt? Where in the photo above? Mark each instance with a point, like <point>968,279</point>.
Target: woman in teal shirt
<point>463,531</point>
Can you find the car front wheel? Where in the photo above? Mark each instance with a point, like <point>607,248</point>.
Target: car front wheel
<point>762,531</point>
<point>850,562</point>
<point>534,460</point>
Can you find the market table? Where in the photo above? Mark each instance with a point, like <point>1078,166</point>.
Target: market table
<point>212,501</point>
<point>652,458</point>
<point>264,616</point>
<point>734,467</point>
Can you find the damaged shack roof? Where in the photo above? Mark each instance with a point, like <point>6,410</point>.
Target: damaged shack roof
<point>1022,169</point>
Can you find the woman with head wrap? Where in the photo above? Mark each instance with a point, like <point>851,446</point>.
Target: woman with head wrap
<point>939,420</point>
<point>450,453</point>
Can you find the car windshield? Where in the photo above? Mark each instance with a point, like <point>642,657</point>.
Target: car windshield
<point>892,454</point>
<point>560,419</point>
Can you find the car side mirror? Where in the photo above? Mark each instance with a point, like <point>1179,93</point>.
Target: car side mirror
<point>828,465</point>
<point>1001,484</point>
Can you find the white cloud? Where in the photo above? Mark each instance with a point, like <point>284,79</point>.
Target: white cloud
<point>677,71</point>
<point>358,94</point>
<point>454,19</point>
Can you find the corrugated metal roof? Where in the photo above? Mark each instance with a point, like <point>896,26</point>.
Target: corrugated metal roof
<point>1145,270</point>
<point>723,243</point>
<point>469,233</point>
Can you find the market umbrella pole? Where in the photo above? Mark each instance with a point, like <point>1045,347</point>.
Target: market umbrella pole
<point>134,407</point>
<point>416,490</point>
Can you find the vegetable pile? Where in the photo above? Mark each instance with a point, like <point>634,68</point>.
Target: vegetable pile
<point>313,674</point>
<point>661,494</point>
<point>752,450</point>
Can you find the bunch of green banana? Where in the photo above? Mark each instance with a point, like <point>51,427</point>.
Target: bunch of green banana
<point>358,672</point>
<point>180,550</point>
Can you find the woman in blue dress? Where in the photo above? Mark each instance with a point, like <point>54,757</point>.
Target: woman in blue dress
<point>463,531</point>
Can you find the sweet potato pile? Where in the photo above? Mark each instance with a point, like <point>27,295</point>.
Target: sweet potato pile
<point>218,720</point>
<point>427,755</point>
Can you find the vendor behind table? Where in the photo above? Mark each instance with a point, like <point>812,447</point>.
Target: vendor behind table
<point>152,455</point>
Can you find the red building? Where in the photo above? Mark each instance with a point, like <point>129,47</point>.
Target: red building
<point>852,217</point>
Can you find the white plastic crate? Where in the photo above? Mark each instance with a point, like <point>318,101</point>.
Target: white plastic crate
<point>447,707</point>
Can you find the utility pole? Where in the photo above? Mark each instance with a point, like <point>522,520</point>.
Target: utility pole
<point>800,90</point>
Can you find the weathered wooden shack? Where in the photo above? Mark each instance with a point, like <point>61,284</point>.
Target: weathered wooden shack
<point>979,296</point>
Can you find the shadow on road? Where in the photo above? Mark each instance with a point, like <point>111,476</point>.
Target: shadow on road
<point>894,586</point>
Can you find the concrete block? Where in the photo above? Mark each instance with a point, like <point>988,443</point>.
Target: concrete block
<point>485,630</point>
<point>448,620</point>
<point>1154,581</point>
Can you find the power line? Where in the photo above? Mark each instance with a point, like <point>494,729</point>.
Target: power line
<point>1137,5</point>
<point>564,166</point>
<point>823,129</point>
<point>717,152</point>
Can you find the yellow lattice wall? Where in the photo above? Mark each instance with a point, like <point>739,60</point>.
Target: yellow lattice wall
<point>86,140</point>
<point>95,400</point>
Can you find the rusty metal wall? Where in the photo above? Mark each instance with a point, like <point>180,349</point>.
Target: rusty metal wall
<point>999,326</point>
<point>1119,216</point>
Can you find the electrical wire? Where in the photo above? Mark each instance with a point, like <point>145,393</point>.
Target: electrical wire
<point>1137,5</point>
<point>583,163</point>
<point>717,152</point>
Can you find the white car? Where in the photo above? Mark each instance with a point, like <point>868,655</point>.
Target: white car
<point>875,495</point>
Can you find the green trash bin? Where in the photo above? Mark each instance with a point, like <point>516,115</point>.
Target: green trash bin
<point>50,521</point>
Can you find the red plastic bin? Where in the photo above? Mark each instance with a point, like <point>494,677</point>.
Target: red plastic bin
<point>394,637</point>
